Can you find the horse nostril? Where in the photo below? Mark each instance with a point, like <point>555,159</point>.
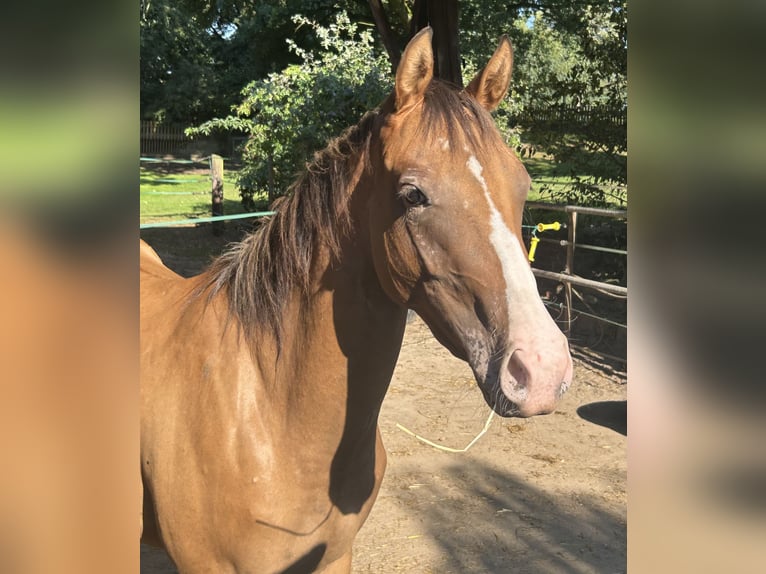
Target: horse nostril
<point>518,370</point>
<point>516,379</point>
<point>534,380</point>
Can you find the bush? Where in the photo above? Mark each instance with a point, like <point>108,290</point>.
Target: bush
<point>290,114</point>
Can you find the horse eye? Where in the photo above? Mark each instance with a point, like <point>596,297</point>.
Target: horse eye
<point>412,196</point>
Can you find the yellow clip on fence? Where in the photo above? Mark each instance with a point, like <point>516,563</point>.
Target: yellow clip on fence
<point>534,240</point>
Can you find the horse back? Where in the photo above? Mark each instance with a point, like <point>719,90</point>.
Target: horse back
<point>151,264</point>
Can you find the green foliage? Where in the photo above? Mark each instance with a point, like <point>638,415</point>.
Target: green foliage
<point>197,55</point>
<point>290,114</point>
<point>177,80</point>
<point>593,146</point>
<point>307,78</point>
<point>569,90</point>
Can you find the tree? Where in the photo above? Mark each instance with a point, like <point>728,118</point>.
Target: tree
<point>573,55</point>
<point>197,55</point>
<point>177,79</point>
<point>586,97</point>
<point>290,114</point>
<point>442,16</point>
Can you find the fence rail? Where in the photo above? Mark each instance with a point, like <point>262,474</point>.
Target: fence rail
<point>605,212</point>
<point>568,277</point>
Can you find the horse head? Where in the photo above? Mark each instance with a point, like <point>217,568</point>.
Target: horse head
<point>445,231</point>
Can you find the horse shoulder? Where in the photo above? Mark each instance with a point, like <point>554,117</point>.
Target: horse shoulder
<point>151,264</point>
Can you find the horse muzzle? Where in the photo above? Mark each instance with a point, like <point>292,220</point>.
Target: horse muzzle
<point>528,380</point>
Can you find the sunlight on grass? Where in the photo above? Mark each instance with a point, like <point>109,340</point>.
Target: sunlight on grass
<point>546,177</point>
<point>169,192</point>
<point>166,195</point>
<point>550,180</point>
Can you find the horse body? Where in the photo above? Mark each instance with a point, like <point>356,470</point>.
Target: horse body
<point>262,378</point>
<point>280,459</point>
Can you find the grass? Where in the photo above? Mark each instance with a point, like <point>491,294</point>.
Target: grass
<point>547,177</point>
<point>551,179</point>
<point>171,192</point>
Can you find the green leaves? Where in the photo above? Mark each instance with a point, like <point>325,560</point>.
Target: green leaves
<point>567,55</point>
<point>569,90</point>
<point>290,114</point>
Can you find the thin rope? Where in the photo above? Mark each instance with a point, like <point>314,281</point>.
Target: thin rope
<point>205,219</point>
<point>447,448</point>
<point>178,161</point>
<point>158,192</point>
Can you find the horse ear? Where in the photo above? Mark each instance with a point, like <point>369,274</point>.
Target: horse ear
<point>416,68</point>
<point>490,85</point>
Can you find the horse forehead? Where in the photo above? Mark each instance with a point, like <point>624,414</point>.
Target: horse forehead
<point>491,169</point>
<point>500,168</point>
<point>406,143</point>
<point>438,152</point>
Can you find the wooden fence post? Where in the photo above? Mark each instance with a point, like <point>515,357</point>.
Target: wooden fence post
<point>270,167</point>
<point>216,175</point>
<point>569,270</point>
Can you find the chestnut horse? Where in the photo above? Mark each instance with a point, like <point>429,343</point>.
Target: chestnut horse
<point>263,377</point>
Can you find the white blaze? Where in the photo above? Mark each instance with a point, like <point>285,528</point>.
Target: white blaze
<point>520,286</point>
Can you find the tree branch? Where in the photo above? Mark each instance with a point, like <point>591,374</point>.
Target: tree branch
<point>379,15</point>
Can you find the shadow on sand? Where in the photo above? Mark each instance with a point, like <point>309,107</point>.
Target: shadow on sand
<point>609,414</point>
<point>511,526</point>
<point>485,520</point>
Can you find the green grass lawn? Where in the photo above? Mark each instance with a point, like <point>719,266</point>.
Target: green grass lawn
<point>546,177</point>
<point>550,179</point>
<point>168,194</point>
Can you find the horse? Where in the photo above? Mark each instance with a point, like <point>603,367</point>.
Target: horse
<point>262,378</point>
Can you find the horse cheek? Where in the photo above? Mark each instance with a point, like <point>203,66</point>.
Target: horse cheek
<point>400,270</point>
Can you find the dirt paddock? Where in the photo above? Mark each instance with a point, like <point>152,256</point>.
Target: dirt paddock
<point>539,495</point>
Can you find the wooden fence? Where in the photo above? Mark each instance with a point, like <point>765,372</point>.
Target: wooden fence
<point>163,139</point>
<point>572,116</point>
<point>568,276</point>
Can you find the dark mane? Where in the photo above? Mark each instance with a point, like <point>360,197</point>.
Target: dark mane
<point>260,273</point>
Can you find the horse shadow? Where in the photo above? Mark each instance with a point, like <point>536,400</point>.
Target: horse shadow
<point>509,525</point>
<point>609,414</point>
<point>156,561</point>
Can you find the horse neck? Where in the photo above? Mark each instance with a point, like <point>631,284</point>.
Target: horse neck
<point>329,380</point>
<point>340,344</point>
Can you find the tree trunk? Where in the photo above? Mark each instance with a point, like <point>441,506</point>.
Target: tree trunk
<point>442,16</point>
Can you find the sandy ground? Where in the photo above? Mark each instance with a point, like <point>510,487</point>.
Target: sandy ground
<point>545,494</point>
<point>539,495</point>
